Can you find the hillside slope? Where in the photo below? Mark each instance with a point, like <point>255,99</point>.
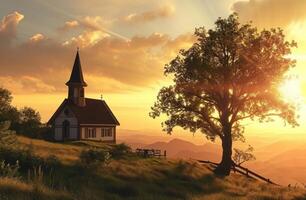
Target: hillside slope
<point>134,178</point>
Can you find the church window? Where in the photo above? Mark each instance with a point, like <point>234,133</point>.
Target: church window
<point>106,132</point>
<point>90,133</point>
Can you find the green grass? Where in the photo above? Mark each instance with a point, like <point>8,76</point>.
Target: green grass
<point>131,178</point>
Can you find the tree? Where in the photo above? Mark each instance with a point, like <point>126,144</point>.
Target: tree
<point>5,99</point>
<point>25,121</point>
<point>231,73</point>
<point>242,156</point>
<point>7,111</point>
<point>29,121</point>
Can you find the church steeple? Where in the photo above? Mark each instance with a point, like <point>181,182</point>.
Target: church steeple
<point>76,83</point>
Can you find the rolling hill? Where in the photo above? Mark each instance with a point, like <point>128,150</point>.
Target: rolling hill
<point>133,178</point>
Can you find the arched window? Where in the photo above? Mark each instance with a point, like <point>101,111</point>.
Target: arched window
<point>66,129</point>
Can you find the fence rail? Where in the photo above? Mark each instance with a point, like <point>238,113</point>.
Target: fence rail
<point>151,153</point>
<point>242,170</point>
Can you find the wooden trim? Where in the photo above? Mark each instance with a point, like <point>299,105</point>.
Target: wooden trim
<point>115,135</point>
<point>98,124</point>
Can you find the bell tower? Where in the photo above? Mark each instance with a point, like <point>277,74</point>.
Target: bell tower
<point>76,83</point>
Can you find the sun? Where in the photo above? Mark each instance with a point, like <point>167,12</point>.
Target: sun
<point>291,90</point>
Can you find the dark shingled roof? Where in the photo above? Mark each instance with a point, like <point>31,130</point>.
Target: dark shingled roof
<point>95,112</point>
<point>76,76</point>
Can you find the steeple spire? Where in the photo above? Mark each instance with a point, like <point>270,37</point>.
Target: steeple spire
<point>76,83</point>
<point>76,77</point>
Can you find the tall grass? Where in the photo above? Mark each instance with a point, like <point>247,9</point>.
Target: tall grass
<point>125,177</point>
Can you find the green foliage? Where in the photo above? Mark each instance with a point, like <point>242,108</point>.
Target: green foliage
<point>242,156</point>
<point>94,157</point>
<point>25,121</point>
<point>5,99</point>
<point>7,137</point>
<point>120,150</point>
<point>45,133</point>
<point>27,160</point>
<point>10,171</point>
<point>29,122</point>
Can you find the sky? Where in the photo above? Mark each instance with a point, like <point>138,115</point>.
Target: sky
<point>124,46</point>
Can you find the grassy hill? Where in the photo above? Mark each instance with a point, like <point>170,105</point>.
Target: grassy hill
<point>130,178</point>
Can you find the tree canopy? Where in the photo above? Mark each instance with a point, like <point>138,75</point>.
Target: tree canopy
<point>26,121</point>
<point>231,73</point>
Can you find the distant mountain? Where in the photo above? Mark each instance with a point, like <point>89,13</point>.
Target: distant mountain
<point>280,158</point>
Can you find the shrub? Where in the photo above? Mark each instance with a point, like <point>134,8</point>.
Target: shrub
<point>7,137</point>
<point>27,159</point>
<point>119,150</point>
<point>52,161</point>
<point>93,157</point>
<point>9,171</point>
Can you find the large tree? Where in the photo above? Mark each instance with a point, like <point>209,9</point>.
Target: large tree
<point>231,73</point>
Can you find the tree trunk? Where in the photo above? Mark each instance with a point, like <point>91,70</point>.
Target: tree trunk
<point>224,167</point>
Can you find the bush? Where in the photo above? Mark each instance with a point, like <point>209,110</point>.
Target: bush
<point>44,133</point>
<point>9,171</point>
<point>27,159</point>
<point>7,137</point>
<point>93,157</point>
<point>119,150</point>
<point>52,161</point>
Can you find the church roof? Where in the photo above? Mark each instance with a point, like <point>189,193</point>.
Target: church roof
<point>94,112</point>
<point>76,76</point>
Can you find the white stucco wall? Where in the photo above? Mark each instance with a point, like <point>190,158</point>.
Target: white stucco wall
<point>58,128</point>
<point>98,133</point>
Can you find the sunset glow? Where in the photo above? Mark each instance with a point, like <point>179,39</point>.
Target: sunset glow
<point>123,53</point>
<point>114,93</point>
<point>291,90</point>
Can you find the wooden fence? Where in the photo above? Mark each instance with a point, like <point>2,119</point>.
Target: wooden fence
<point>151,153</point>
<point>242,170</point>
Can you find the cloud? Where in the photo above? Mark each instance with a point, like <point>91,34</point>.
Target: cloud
<point>25,84</point>
<point>8,27</point>
<point>161,12</point>
<point>110,64</point>
<point>94,28</point>
<point>87,38</point>
<point>69,25</point>
<point>37,37</point>
<point>271,13</point>
<point>94,23</point>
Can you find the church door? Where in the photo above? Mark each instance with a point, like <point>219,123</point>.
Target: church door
<point>66,130</point>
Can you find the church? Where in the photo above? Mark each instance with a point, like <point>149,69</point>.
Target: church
<point>80,118</point>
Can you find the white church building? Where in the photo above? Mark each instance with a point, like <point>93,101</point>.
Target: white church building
<point>80,118</point>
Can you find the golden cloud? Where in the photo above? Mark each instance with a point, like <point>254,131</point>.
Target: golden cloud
<point>25,84</point>
<point>94,23</point>
<point>69,25</point>
<point>8,27</point>
<point>87,38</point>
<point>110,63</point>
<point>271,13</point>
<point>37,37</point>
<point>161,12</point>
